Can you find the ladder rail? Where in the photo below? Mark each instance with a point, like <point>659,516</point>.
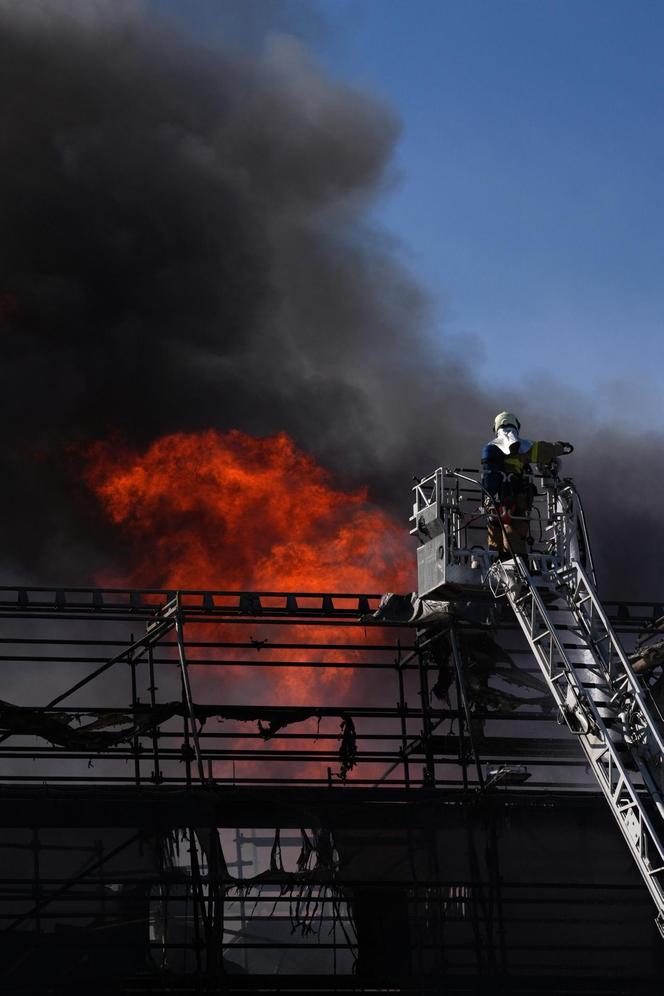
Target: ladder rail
<point>581,519</point>
<point>639,694</point>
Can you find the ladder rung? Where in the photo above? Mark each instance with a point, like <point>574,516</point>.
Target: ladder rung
<point>624,808</point>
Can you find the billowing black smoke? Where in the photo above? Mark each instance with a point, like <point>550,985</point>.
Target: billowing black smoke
<point>184,244</point>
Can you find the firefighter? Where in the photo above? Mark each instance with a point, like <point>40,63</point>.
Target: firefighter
<point>509,492</point>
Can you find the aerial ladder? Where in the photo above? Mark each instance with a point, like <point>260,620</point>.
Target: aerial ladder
<point>552,593</point>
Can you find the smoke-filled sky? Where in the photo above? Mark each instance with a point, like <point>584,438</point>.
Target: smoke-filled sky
<point>529,198</point>
<point>191,240</point>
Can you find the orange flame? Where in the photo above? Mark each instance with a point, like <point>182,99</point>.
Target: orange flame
<point>234,511</point>
<point>230,511</point>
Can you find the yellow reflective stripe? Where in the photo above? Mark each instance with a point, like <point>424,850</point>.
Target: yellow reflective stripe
<point>517,461</point>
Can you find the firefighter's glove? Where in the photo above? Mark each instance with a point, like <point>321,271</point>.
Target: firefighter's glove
<point>505,514</point>
<point>565,448</point>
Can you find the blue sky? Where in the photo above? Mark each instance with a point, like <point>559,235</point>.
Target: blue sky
<point>530,173</point>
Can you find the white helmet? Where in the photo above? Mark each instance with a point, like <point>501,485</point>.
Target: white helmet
<point>506,418</point>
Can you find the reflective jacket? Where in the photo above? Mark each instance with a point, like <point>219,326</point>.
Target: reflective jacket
<point>503,473</point>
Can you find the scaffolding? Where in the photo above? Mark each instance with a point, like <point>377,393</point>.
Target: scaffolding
<point>240,789</point>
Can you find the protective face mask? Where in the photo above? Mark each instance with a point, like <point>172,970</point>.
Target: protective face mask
<point>507,439</point>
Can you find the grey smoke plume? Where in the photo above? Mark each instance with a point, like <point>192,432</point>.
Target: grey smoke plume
<point>185,244</point>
